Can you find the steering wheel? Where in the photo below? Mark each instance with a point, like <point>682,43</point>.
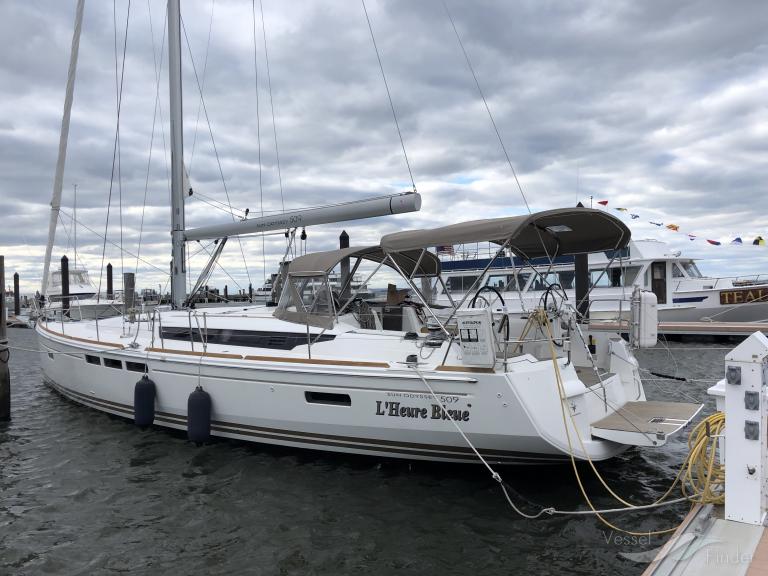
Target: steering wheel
<point>504,324</point>
<point>487,289</point>
<point>551,290</point>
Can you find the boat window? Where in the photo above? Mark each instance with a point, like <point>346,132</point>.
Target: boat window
<point>567,279</point>
<point>500,281</point>
<point>522,279</point>
<point>249,338</point>
<point>630,275</point>
<point>544,281</point>
<point>677,272</point>
<point>112,363</point>
<point>135,366</point>
<point>460,283</point>
<point>307,299</point>
<point>613,277</point>
<point>93,359</point>
<point>692,269</point>
<point>600,278</point>
<point>78,278</point>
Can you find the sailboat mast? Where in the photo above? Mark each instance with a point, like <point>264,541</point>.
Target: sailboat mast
<point>63,137</point>
<point>178,266</point>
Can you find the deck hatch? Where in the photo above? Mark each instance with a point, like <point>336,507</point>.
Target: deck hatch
<point>248,338</point>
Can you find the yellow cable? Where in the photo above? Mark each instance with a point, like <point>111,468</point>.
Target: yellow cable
<point>698,470</point>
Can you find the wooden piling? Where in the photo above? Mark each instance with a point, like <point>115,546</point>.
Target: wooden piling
<point>64,286</point>
<point>110,286</point>
<point>5,353</point>
<point>129,293</point>
<point>344,243</point>
<point>16,296</point>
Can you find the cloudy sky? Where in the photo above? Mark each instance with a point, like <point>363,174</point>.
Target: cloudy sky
<point>660,107</point>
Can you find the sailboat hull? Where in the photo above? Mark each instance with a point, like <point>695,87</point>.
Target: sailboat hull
<point>351,408</point>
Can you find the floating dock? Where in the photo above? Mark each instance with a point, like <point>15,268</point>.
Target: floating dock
<point>690,328</point>
<point>706,544</point>
<point>730,539</point>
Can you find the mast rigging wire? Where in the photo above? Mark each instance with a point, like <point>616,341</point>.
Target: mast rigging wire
<point>272,106</point>
<point>199,103</point>
<point>493,123</point>
<point>485,102</point>
<point>236,212</point>
<point>389,95</point>
<point>213,141</point>
<point>205,248</point>
<point>106,240</point>
<point>119,148</point>
<point>152,136</point>
<point>258,139</point>
<point>114,152</point>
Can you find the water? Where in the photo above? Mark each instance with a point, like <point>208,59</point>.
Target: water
<point>85,493</point>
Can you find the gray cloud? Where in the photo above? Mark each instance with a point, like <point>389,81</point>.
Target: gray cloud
<point>655,106</point>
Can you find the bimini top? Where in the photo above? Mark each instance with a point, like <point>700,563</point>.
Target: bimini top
<point>559,232</point>
<point>322,262</point>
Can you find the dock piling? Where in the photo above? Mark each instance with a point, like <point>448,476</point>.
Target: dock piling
<point>64,287</point>
<point>344,243</point>
<point>16,296</point>
<point>5,353</point>
<point>110,286</point>
<point>129,294</point>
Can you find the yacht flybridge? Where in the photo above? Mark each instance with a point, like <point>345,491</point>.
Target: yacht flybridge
<point>387,379</point>
<point>332,371</point>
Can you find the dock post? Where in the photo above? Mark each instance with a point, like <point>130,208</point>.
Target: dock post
<point>16,297</point>
<point>64,287</point>
<point>226,293</point>
<point>250,293</point>
<point>5,353</point>
<point>129,294</point>
<point>344,243</point>
<point>110,286</point>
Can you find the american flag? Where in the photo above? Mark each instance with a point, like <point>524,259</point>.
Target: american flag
<point>448,250</point>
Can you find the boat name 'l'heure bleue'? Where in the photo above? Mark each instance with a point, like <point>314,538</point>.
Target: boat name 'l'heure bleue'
<point>436,413</point>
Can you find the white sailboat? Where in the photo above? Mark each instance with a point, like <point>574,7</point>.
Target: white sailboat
<point>347,375</point>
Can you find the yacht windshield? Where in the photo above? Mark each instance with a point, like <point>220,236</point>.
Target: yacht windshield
<point>80,277</point>
<point>691,268</point>
<point>307,299</point>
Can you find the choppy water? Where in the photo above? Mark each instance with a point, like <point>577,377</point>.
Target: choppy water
<point>85,493</point>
